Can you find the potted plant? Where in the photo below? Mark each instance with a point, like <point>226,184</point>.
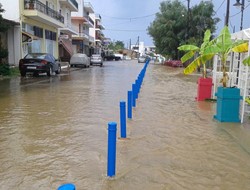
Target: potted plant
<point>204,83</point>
<point>228,98</point>
<point>31,4</point>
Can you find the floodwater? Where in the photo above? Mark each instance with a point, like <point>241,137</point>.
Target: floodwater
<point>54,131</point>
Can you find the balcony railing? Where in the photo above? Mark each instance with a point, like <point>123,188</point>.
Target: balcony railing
<point>89,7</point>
<point>39,6</point>
<point>98,16</point>
<point>81,35</point>
<point>89,19</point>
<point>74,3</point>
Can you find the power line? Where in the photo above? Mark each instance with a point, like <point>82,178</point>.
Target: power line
<point>239,11</point>
<point>120,30</point>
<point>131,18</point>
<point>220,7</point>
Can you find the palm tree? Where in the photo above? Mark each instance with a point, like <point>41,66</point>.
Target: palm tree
<point>202,56</point>
<point>222,46</point>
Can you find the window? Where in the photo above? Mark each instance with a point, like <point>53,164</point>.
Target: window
<point>50,35</point>
<point>38,31</point>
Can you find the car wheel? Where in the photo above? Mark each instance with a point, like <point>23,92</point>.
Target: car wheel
<point>49,72</point>
<point>101,64</point>
<point>59,70</point>
<point>23,73</point>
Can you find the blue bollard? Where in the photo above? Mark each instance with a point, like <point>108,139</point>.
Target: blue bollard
<point>123,119</point>
<point>67,186</point>
<point>130,104</point>
<point>111,149</point>
<point>134,95</point>
<point>136,88</point>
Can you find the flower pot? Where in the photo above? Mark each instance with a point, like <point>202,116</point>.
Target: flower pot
<point>204,88</point>
<point>228,104</point>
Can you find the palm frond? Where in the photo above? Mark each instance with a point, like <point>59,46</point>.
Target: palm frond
<point>187,56</point>
<point>240,47</point>
<point>188,48</point>
<point>247,61</point>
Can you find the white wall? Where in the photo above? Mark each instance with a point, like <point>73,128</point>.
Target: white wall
<point>14,48</point>
<point>80,8</point>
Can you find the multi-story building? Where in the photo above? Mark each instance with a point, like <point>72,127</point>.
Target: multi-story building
<point>65,33</point>
<point>82,22</point>
<point>59,27</point>
<point>99,36</point>
<point>40,21</point>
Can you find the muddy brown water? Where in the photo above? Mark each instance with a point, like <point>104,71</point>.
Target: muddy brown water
<point>54,131</point>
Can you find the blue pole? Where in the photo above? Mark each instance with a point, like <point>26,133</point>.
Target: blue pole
<point>134,95</point>
<point>130,104</point>
<point>136,89</point>
<point>123,119</point>
<point>68,186</point>
<point>111,149</point>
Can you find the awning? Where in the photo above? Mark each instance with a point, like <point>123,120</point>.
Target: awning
<point>27,37</point>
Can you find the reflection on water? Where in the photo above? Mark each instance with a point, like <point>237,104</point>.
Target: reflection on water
<point>54,131</point>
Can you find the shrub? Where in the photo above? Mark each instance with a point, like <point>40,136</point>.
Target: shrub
<point>4,69</point>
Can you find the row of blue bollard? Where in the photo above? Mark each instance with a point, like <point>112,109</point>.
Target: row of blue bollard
<point>112,127</point>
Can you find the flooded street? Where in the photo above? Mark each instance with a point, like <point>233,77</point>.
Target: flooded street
<point>54,131</point>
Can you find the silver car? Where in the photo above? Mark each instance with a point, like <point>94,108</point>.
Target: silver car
<point>142,59</point>
<point>96,59</point>
<point>79,59</point>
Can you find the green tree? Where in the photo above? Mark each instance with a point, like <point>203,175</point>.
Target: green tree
<point>3,28</point>
<point>168,29</point>
<point>173,27</point>
<point>116,46</point>
<point>201,59</point>
<point>202,18</point>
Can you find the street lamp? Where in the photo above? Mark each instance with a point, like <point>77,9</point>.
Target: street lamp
<point>242,5</point>
<point>227,13</point>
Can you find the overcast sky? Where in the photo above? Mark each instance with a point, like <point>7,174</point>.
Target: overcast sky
<point>129,19</point>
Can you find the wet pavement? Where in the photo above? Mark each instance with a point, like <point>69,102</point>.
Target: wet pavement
<point>54,131</point>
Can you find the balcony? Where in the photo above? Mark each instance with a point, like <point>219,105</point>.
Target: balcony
<point>71,4</point>
<point>88,7</point>
<point>99,26</point>
<point>88,21</point>
<point>91,39</point>
<point>81,36</point>
<point>98,17</point>
<point>42,13</point>
<point>68,29</point>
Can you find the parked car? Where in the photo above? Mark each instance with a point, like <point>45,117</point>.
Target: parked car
<point>79,59</point>
<point>173,63</point>
<point>96,59</point>
<point>142,59</point>
<point>39,63</point>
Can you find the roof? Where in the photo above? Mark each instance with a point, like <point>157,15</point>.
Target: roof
<point>11,22</point>
<point>241,35</point>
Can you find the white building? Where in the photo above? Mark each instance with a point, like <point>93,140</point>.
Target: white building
<point>39,23</point>
<point>82,22</point>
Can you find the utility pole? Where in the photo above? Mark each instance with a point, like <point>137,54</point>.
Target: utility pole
<point>242,11</point>
<point>188,18</point>
<point>138,41</point>
<point>227,13</point>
